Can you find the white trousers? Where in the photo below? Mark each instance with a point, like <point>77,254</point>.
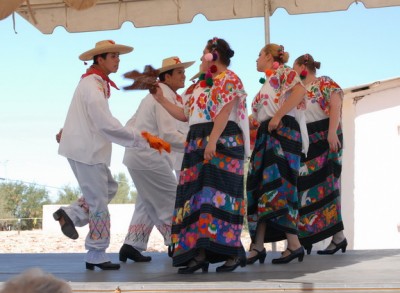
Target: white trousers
<point>154,205</point>
<point>98,189</point>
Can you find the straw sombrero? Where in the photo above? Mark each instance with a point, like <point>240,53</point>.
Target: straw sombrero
<point>107,46</point>
<point>172,63</point>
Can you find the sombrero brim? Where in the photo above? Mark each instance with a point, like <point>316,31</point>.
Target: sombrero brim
<point>184,65</point>
<point>121,49</point>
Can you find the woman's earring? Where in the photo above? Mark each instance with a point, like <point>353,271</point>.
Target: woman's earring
<point>303,74</point>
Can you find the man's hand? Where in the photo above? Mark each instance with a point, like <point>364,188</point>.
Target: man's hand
<point>58,135</point>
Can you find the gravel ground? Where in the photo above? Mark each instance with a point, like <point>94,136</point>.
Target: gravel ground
<point>39,242</point>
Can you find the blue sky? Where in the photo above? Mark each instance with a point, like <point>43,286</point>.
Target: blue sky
<point>40,72</point>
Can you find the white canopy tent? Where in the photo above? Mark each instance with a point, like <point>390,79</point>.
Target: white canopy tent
<point>98,15</point>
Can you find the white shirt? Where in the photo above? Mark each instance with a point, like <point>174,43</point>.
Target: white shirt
<point>153,118</point>
<point>90,128</point>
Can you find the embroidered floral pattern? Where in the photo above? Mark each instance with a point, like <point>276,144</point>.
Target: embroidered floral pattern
<point>260,100</point>
<point>207,104</point>
<point>271,187</point>
<point>210,203</point>
<point>211,228</point>
<point>319,198</point>
<point>276,89</point>
<point>320,92</point>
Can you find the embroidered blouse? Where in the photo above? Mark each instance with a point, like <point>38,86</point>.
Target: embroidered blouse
<point>204,104</point>
<point>319,96</point>
<point>274,93</point>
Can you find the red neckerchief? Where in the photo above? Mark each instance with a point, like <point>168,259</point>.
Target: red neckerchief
<point>94,70</point>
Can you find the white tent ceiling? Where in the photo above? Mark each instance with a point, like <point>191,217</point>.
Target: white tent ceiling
<point>111,14</point>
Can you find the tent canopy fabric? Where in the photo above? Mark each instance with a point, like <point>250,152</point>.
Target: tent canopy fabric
<point>7,7</point>
<point>111,14</point>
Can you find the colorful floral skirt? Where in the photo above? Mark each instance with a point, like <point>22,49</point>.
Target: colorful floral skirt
<point>272,180</point>
<point>319,187</point>
<point>210,205</point>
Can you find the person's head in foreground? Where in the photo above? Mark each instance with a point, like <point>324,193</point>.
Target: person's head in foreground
<point>35,281</point>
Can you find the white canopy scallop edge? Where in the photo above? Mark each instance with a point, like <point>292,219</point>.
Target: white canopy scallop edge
<point>111,14</point>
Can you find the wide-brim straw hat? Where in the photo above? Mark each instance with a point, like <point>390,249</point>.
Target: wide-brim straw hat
<point>107,46</point>
<point>172,63</point>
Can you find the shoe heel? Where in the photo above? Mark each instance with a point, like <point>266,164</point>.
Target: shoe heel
<point>123,258</point>
<point>205,268</point>
<point>309,249</point>
<point>301,256</point>
<point>56,216</point>
<point>344,249</point>
<point>262,258</point>
<point>89,266</point>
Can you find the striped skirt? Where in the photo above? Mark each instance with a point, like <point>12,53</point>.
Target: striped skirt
<point>319,187</point>
<point>210,205</point>
<point>272,180</point>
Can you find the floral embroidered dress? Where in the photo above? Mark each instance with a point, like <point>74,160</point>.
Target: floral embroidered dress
<point>275,161</point>
<point>210,203</point>
<point>319,178</point>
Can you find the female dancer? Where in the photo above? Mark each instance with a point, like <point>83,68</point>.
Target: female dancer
<point>319,180</point>
<point>272,178</point>
<point>210,205</point>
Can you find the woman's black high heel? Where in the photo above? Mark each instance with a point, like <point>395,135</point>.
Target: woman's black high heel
<point>261,255</point>
<point>342,245</point>
<point>298,253</point>
<point>104,266</point>
<point>199,264</point>
<point>225,269</point>
<point>308,248</point>
<point>171,250</point>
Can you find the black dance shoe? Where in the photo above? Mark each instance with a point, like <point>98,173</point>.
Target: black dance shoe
<point>67,226</point>
<point>298,253</point>
<point>261,255</point>
<point>308,248</point>
<point>342,245</point>
<point>198,264</point>
<point>128,251</point>
<point>170,250</point>
<point>107,266</point>
<point>226,269</point>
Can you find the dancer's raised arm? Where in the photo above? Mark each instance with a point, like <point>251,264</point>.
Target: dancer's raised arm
<point>174,110</point>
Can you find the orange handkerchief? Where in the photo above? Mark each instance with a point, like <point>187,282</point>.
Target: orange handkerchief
<point>156,143</point>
